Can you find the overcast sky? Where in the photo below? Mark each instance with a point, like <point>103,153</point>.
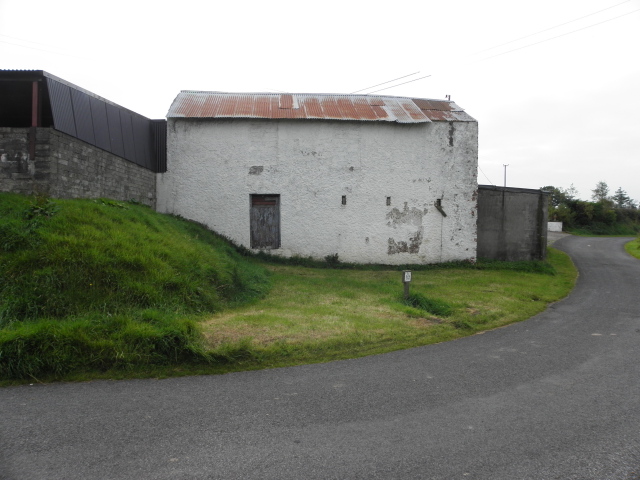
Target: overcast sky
<point>554,84</point>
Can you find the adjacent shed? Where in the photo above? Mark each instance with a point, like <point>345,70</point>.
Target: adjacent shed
<point>58,138</point>
<point>512,223</point>
<point>373,179</point>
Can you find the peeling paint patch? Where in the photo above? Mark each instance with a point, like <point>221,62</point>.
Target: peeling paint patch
<point>412,246</point>
<point>408,216</point>
<point>256,170</point>
<point>308,153</point>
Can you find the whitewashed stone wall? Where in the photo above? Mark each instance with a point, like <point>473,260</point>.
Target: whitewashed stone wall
<point>554,226</point>
<point>215,165</point>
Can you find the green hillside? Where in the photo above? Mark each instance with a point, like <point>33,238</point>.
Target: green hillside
<point>108,283</point>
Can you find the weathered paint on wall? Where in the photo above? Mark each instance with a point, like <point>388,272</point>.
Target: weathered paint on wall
<point>214,166</point>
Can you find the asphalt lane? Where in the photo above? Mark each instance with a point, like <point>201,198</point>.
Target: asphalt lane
<point>554,397</point>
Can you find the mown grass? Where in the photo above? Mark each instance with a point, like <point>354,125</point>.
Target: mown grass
<point>633,247</point>
<point>103,289</point>
<point>314,315</point>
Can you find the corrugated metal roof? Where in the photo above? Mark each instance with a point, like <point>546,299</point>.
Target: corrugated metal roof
<point>308,106</point>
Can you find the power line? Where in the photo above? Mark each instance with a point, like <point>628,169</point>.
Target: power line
<point>383,83</point>
<point>563,35</point>
<point>397,85</point>
<point>551,28</point>
<point>519,48</point>
<point>485,176</point>
<point>41,49</point>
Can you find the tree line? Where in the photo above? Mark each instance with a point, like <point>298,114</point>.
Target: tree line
<point>606,214</point>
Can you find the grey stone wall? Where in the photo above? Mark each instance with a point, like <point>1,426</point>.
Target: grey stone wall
<point>512,223</point>
<point>17,170</point>
<point>66,167</point>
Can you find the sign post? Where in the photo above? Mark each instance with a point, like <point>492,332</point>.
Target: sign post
<point>406,279</point>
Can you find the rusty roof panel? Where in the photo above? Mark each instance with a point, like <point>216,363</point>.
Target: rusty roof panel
<point>286,101</point>
<point>425,104</point>
<point>194,104</point>
<point>312,108</point>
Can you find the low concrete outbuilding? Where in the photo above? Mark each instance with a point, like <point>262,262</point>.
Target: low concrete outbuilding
<point>512,223</point>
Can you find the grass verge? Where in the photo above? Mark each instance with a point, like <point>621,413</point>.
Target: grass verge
<point>319,315</point>
<point>171,298</point>
<point>633,247</point>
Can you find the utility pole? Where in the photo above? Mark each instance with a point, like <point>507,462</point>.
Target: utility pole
<point>505,173</point>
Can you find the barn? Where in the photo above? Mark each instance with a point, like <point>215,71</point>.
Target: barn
<point>372,179</point>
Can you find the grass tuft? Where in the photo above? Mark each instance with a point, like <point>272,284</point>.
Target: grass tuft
<point>435,307</point>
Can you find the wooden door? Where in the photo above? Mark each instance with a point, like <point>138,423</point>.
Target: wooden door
<point>265,221</point>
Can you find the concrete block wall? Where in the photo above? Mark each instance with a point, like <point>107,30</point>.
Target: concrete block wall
<point>66,167</point>
<point>512,223</point>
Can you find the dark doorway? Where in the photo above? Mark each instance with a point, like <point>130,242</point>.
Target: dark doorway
<point>265,221</point>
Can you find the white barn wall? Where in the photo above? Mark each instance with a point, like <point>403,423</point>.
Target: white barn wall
<point>214,167</point>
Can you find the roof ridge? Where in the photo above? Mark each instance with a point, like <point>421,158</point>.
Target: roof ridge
<point>216,92</point>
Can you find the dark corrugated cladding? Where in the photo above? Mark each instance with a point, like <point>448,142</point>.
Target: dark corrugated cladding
<point>82,115</point>
<point>95,120</point>
<point>62,108</point>
<point>159,137</point>
<point>100,124</point>
<point>115,130</point>
<point>127,136</point>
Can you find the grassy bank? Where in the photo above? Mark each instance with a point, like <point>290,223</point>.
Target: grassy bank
<point>102,289</point>
<point>95,284</point>
<point>633,248</point>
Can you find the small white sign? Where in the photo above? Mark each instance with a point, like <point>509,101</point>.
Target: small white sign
<point>407,277</point>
